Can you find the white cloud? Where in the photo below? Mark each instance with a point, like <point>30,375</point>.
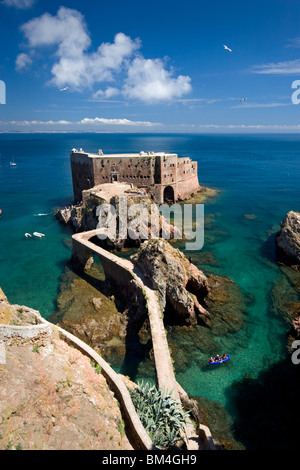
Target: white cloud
<point>290,67</point>
<point>67,30</point>
<point>110,92</point>
<point>149,81</point>
<point>270,127</point>
<point>43,123</point>
<point>261,105</point>
<point>21,4</point>
<point>76,67</point>
<point>295,42</point>
<point>23,61</point>
<point>85,122</point>
<point>122,122</point>
<point>84,69</point>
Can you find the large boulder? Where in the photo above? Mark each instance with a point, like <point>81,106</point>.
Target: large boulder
<point>181,285</point>
<point>288,239</point>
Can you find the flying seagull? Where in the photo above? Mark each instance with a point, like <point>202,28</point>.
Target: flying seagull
<point>227,48</point>
<point>244,99</point>
<point>64,89</point>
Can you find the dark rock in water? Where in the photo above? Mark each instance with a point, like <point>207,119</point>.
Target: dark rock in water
<point>220,423</point>
<point>180,284</point>
<point>285,297</point>
<point>250,299</point>
<point>85,308</point>
<point>226,305</point>
<point>288,240</point>
<point>206,258</point>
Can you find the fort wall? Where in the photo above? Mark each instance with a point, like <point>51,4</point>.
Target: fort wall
<point>164,175</point>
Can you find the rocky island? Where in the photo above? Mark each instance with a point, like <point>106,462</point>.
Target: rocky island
<point>288,252</point>
<point>288,240</point>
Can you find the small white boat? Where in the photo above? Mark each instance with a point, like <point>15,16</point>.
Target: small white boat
<point>27,235</point>
<point>39,235</point>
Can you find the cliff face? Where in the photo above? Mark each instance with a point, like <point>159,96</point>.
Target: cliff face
<point>288,239</point>
<point>51,396</point>
<point>288,251</point>
<point>180,283</point>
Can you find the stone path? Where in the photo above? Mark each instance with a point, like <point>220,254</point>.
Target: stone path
<point>163,363</point>
<point>164,368</point>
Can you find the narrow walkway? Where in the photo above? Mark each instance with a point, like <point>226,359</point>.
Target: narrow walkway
<point>163,364</point>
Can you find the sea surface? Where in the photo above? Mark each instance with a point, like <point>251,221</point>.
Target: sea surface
<point>258,177</point>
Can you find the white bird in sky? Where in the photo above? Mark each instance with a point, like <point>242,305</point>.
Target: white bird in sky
<point>227,48</point>
<point>64,89</point>
<point>244,99</point>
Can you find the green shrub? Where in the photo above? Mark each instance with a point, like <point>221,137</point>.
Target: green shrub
<point>161,415</point>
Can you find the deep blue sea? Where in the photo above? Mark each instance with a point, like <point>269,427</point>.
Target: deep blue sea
<point>258,175</point>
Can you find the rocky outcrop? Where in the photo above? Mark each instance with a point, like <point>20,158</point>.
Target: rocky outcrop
<point>288,240</point>
<point>15,314</point>
<point>181,285</point>
<point>296,326</point>
<point>85,218</point>
<point>52,397</point>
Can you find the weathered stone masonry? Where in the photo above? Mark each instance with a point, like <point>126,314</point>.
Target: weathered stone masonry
<point>164,175</point>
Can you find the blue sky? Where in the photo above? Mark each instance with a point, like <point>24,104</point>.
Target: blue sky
<point>159,66</point>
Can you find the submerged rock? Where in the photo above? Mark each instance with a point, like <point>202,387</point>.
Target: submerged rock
<point>86,309</point>
<point>288,240</point>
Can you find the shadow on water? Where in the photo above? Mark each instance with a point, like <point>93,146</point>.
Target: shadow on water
<point>267,408</point>
<point>268,248</point>
<point>135,350</point>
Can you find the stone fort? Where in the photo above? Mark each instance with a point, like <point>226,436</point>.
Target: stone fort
<point>163,175</point>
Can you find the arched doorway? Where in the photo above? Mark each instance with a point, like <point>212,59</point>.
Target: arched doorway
<point>169,194</point>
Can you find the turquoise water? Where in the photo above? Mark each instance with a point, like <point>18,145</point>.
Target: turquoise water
<point>258,175</point>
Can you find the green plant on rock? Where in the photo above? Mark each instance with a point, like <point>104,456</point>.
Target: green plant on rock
<point>161,415</point>
<point>97,367</point>
<point>36,348</point>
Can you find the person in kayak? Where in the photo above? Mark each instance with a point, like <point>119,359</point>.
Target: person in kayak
<point>218,358</point>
